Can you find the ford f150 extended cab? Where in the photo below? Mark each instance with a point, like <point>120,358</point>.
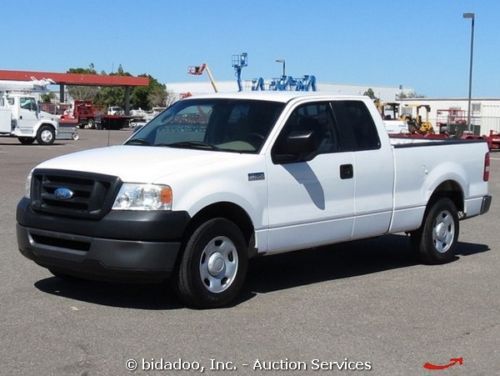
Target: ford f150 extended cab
<point>215,180</point>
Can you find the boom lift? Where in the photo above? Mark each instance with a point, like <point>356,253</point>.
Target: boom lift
<point>198,71</point>
<point>451,121</point>
<point>286,83</point>
<point>239,62</point>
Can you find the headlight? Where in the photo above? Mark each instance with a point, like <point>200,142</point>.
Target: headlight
<point>143,197</point>
<point>27,185</point>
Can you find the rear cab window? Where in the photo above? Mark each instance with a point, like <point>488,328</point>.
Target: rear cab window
<point>355,126</point>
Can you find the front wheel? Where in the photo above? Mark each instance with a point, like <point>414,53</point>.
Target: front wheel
<point>213,267</point>
<point>436,240</point>
<point>46,135</point>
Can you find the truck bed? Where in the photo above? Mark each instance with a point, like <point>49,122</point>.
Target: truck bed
<point>422,165</point>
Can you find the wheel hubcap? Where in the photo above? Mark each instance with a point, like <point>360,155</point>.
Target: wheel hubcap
<point>46,136</point>
<point>218,264</point>
<point>443,232</point>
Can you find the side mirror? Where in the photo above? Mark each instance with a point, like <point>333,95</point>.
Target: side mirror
<point>296,147</point>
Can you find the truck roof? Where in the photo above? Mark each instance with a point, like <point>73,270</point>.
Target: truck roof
<point>277,96</point>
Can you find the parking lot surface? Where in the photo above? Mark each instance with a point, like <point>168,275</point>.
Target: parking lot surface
<point>367,301</point>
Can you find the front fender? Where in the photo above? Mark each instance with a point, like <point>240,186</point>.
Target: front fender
<point>52,123</point>
<point>250,197</point>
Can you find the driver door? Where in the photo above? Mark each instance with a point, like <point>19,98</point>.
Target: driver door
<point>28,112</point>
<point>311,202</point>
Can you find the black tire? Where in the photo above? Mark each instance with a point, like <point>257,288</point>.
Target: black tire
<point>46,135</point>
<point>215,258</point>
<point>26,140</point>
<point>436,240</point>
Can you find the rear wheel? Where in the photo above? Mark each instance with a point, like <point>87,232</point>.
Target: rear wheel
<point>436,240</point>
<point>26,140</point>
<point>213,266</point>
<point>46,135</point>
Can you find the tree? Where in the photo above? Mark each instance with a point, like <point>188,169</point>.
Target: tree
<point>83,92</point>
<point>145,97</point>
<point>157,96</point>
<point>110,96</point>
<point>47,97</point>
<point>89,70</point>
<point>409,94</point>
<point>370,93</point>
<point>171,98</point>
<point>153,95</point>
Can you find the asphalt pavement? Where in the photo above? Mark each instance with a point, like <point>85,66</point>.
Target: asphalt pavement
<point>366,305</point>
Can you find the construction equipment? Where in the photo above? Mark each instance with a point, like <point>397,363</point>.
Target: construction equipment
<point>239,62</point>
<point>85,115</point>
<point>416,124</point>
<point>198,71</point>
<point>388,110</point>
<point>286,83</point>
<point>451,121</point>
<point>394,124</point>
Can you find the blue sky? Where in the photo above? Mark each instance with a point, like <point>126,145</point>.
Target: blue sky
<point>421,44</point>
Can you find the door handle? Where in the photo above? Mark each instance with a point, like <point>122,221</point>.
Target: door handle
<point>346,171</point>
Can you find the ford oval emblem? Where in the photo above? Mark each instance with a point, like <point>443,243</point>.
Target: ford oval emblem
<point>63,193</point>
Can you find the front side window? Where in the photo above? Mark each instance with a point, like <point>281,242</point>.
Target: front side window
<point>234,125</point>
<point>28,103</point>
<point>311,117</point>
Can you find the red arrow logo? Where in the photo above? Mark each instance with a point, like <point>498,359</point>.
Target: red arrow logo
<point>452,362</point>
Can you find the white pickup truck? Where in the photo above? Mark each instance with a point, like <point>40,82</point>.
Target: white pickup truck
<point>215,180</point>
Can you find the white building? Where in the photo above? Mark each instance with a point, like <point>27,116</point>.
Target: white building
<point>385,93</point>
<point>485,112</point>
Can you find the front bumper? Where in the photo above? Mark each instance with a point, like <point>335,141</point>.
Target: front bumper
<point>122,246</point>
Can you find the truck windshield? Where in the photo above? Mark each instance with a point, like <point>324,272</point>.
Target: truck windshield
<point>234,125</point>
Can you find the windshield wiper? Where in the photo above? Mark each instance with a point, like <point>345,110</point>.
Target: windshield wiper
<point>191,144</point>
<point>137,141</point>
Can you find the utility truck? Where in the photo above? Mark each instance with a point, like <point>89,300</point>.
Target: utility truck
<point>216,180</point>
<point>20,114</point>
<point>21,117</point>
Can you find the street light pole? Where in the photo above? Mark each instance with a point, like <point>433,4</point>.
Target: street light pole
<point>282,61</point>
<point>470,16</point>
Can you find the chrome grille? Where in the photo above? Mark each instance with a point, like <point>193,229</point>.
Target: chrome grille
<point>92,194</point>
